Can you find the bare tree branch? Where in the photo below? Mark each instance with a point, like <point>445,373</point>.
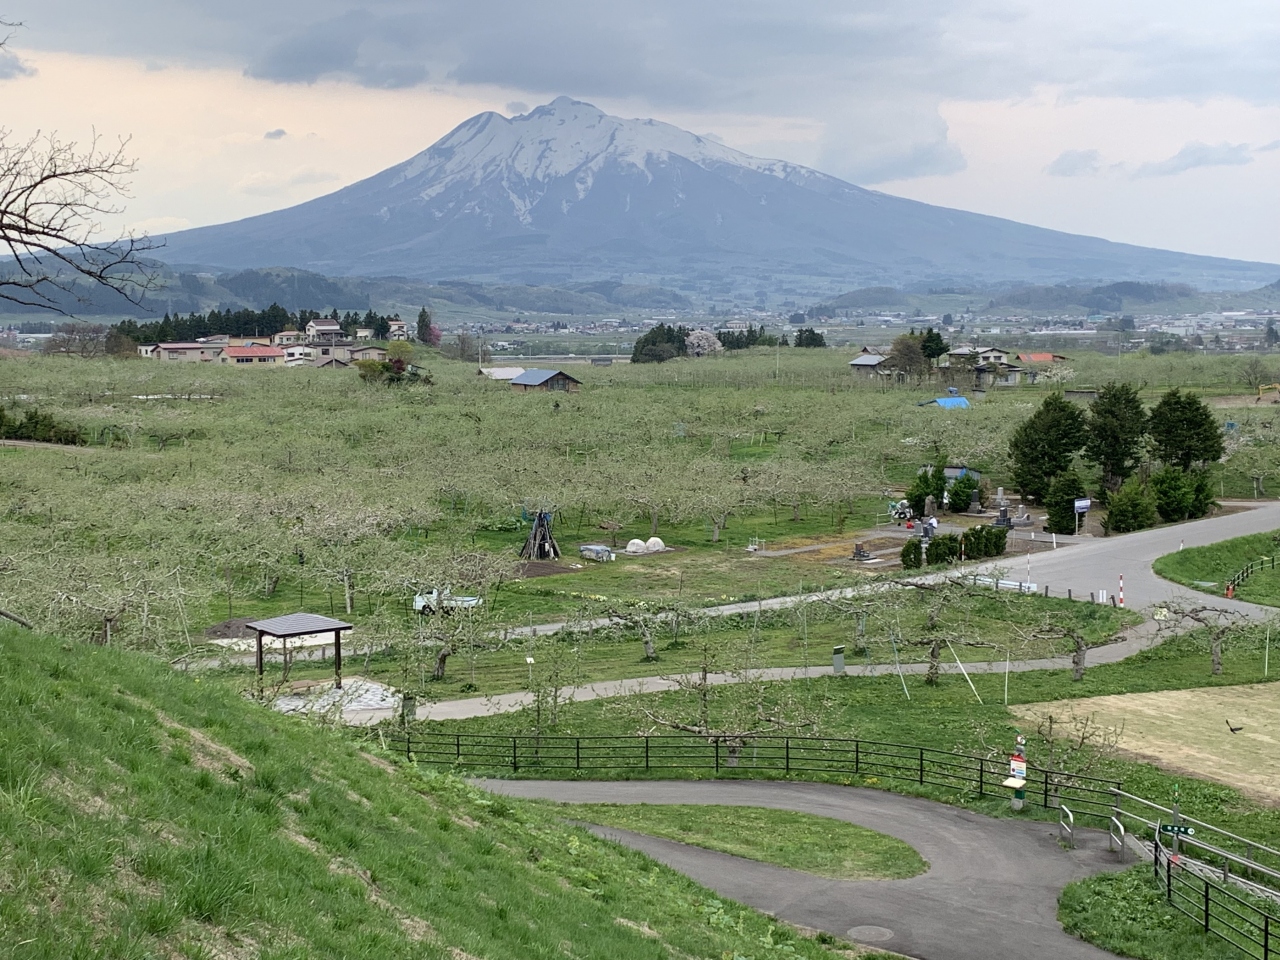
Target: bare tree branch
<point>54,195</point>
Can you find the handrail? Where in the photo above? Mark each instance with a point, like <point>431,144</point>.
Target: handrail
<point>1250,845</point>
<point>1115,837</point>
<point>1067,826</point>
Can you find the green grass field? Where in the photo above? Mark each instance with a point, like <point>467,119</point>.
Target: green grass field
<point>799,841</point>
<point>147,815</point>
<point>1207,569</point>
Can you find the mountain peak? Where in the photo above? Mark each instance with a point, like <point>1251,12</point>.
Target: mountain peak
<point>568,187</point>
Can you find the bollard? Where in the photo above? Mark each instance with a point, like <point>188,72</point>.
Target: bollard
<point>1122,589</point>
<point>1046,589</point>
<point>1068,593</point>
<point>837,660</point>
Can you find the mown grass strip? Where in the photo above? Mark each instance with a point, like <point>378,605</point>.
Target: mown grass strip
<point>818,845</point>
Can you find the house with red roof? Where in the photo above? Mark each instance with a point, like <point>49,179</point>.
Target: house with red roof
<point>1041,358</point>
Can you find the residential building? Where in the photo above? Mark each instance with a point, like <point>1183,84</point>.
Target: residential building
<point>296,354</point>
<point>254,354</point>
<point>323,329</point>
<point>364,333</point>
<point>549,380</point>
<point>869,364</point>
<point>190,352</point>
<point>285,337</point>
<point>399,330</point>
<point>366,352</point>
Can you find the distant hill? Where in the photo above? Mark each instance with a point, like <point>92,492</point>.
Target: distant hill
<point>568,194</point>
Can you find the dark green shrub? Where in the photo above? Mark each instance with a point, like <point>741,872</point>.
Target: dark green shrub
<point>961,493</point>
<point>984,541</point>
<point>1061,503</point>
<point>911,558</point>
<point>1133,507</point>
<point>943,549</point>
<point>1174,490</point>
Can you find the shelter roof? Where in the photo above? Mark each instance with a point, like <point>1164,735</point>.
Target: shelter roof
<point>298,624</point>
<point>947,403</point>
<point>534,378</point>
<point>1040,357</point>
<point>867,360</point>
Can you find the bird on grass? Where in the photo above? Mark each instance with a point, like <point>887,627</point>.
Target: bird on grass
<point>1234,729</point>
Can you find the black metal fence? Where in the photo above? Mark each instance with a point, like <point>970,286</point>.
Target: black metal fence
<point>1249,570</point>
<point>831,759</point>
<point>1221,913</point>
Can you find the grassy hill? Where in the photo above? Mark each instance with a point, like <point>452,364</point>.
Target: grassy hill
<point>147,815</point>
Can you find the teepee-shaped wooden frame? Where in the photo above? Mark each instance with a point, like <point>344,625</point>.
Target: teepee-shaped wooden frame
<point>541,544</point>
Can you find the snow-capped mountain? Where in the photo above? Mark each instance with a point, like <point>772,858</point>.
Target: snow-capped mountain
<point>567,190</point>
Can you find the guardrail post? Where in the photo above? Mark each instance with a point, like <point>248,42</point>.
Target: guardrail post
<point>515,764</point>
<point>1046,790</point>
<point>1206,906</point>
<point>408,746</point>
<point>646,753</point>
<point>786,749</point>
<point>857,756</point>
<point>457,747</point>
<point>577,753</point>
<point>1266,937</point>
<point>1168,878</point>
<point>982,770</point>
<point>922,766</point>
<point>717,745</point>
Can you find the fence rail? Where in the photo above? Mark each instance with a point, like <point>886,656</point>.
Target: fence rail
<point>836,758</point>
<point>1192,887</point>
<point>1219,912</point>
<point>1249,570</point>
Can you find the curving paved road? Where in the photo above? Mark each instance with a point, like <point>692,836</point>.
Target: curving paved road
<point>991,890</point>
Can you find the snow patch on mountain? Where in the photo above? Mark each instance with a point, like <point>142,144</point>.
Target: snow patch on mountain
<point>565,138</point>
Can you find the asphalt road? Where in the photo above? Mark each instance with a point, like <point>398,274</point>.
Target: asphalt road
<point>1090,565</point>
<point>990,892</point>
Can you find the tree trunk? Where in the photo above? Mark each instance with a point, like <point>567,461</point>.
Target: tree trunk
<point>935,658</point>
<point>348,593</point>
<point>16,619</point>
<point>717,524</point>
<point>650,653</point>
<point>653,521</point>
<point>1077,658</point>
<point>272,584</point>
<point>1215,651</point>
<point>444,653</point>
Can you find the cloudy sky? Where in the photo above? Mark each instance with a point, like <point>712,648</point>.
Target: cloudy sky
<point>1149,121</point>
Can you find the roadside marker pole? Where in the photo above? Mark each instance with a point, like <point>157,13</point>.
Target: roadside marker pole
<point>1266,652</point>
<point>1122,589</point>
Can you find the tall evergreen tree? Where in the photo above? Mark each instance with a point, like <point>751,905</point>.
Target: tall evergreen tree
<point>1116,426</point>
<point>1044,445</point>
<point>1184,431</point>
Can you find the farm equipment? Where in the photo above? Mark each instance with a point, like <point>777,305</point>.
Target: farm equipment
<point>1266,388</point>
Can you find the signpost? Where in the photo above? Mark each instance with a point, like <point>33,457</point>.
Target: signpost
<point>1082,506</point>
<point>1018,774</point>
<point>1180,829</point>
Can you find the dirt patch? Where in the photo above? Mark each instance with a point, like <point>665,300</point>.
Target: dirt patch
<point>378,762</point>
<point>641,928</point>
<point>541,568</point>
<point>237,628</point>
<point>1186,731</point>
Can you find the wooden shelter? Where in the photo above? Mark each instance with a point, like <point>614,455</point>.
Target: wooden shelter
<point>551,380</point>
<point>294,625</point>
<point>541,544</point>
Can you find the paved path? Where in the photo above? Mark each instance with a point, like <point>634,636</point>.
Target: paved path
<point>991,890</point>
<point>1097,564</point>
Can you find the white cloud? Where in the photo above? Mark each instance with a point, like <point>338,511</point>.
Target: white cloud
<point>1075,163</point>
<point>1195,155</point>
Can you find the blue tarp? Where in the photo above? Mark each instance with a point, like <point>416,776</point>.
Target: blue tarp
<point>953,403</point>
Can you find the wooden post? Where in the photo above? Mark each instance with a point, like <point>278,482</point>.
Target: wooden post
<point>259,664</point>
<point>337,658</point>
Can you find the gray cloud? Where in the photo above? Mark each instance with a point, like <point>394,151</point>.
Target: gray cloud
<point>1075,163</point>
<point>809,60</point>
<point>11,66</point>
<point>277,134</point>
<point>1267,147</point>
<point>1198,155</point>
<point>517,107</point>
